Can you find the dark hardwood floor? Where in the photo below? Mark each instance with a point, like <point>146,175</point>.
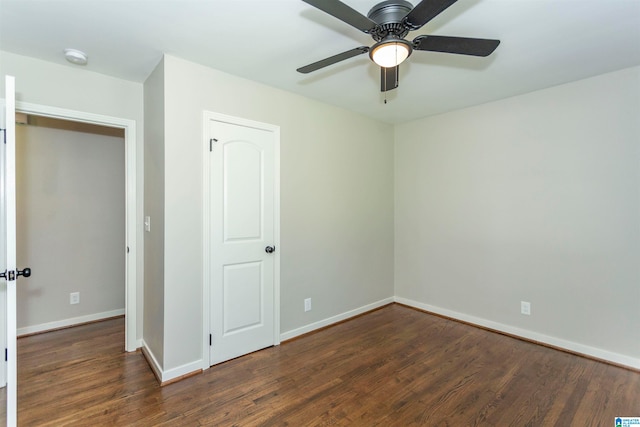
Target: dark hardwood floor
<point>393,367</point>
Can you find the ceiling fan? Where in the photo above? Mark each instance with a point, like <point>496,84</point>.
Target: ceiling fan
<point>388,23</point>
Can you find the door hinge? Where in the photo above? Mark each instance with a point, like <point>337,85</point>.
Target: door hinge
<point>127,249</point>
<point>4,137</point>
<point>6,354</point>
<point>210,340</point>
<point>211,141</point>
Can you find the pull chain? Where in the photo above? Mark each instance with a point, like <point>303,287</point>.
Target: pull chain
<point>385,85</point>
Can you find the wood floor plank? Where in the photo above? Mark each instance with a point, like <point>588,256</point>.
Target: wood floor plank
<point>392,367</point>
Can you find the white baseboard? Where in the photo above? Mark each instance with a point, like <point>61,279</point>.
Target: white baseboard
<point>334,319</point>
<point>571,346</point>
<point>180,371</point>
<point>170,374</point>
<point>69,322</point>
<point>151,359</point>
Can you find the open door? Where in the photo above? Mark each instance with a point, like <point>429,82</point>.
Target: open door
<point>8,269</point>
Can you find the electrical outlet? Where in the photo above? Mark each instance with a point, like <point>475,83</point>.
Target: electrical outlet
<point>525,308</point>
<point>74,298</point>
<point>307,304</point>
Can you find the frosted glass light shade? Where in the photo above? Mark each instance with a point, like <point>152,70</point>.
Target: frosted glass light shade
<point>390,53</point>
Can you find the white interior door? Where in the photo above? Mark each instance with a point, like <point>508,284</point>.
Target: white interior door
<point>242,239</point>
<point>8,269</point>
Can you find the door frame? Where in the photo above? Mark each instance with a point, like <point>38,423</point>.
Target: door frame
<point>207,117</point>
<point>131,224</point>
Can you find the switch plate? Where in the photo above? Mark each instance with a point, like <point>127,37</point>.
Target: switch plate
<point>74,298</point>
<point>307,304</point>
<point>525,308</point>
<point>147,223</point>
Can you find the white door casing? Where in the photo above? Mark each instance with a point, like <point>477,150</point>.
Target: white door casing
<point>242,270</point>
<point>132,225</point>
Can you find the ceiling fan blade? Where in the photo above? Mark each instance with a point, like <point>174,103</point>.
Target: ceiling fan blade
<point>389,78</point>
<point>425,11</point>
<point>459,45</point>
<point>333,59</point>
<point>344,13</point>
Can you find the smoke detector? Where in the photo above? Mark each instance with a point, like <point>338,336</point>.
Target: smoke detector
<point>75,56</point>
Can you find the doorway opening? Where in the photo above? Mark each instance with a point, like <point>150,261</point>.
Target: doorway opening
<point>70,188</point>
<point>126,128</point>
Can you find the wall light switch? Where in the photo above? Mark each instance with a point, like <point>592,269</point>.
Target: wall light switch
<point>147,223</point>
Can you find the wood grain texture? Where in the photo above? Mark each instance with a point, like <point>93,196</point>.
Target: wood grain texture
<point>392,367</point>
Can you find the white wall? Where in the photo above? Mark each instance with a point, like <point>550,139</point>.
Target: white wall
<point>336,202</point>
<point>154,202</point>
<point>71,226</point>
<point>75,88</point>
<point>532,198</point>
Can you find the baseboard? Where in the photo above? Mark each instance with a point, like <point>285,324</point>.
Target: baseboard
<point>558,343</point>
<point>44,327</point>
<point>152,361</point>
<point>189,369</point>
<point>171,375</point>
<point>334,319</point>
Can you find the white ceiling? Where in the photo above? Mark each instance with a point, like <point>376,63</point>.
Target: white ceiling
<point>543,43</point>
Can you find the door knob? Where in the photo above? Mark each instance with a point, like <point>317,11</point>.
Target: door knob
<point>26,272</point>
<point>11,274</point>
<point>270,249</point>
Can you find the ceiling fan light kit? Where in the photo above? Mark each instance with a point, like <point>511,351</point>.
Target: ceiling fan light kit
<point>390,53</point>
<point>388,23</point>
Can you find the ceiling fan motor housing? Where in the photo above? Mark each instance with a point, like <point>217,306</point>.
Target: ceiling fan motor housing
<point>389,16</point>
